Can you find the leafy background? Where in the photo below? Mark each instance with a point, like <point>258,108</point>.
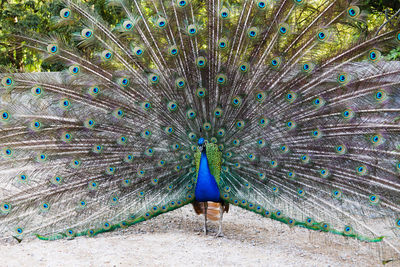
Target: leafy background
<point>36,15</point>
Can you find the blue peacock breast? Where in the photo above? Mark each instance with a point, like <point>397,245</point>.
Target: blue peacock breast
<point>206,186</point>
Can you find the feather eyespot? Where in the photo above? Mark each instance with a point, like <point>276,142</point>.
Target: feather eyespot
<point>221,132</point>
<point>353,11</point>
<point>19,230</point>
<point>153,78</point>
<point>273,163</point>
<point>337,194</point>
<point>122,140</point>
<point>362,170</point>
<point>223,43</point>
<point>343,78</point>
<point>322,35</point>
<point>373,199</point>
<point>261,4</point>
<point>36,125</point>
<point>398,223</point>
<point>261,143</point>
<point>236,142</point>
<point>260,96</point>
<point>284,149</point>
<point>137,51</point>
<point>127,25</point>
<point>316,134</point>
<point>75,163</point>
<point>377,139</point>
<point>207,126</point>
<point>106,55</point>
<point>236,101</point>
<point>149,152</point>
<point>172,106</point>
<point>298,2</point>
<point>86,33</point>
<point>290,125</point>
<point>93,185</point>
<point>65,104</point>
<point>192,136</point>
<point>301,192</point>
<point>275,63</point>
<point>182,3</point>
<point>7,82</point>
<point>252,32</point>
<point>74,70</point>
<point>173,50</point>
<point>221,79</point>
<point>23,178</point>
<point>169,130</point>
<point>201,62</point>
<point>340,149</point>
<point>240,124</point>
<point>374,55</point>
<point>244,67</point>
<point>224,13</point>
<point>305,159</point>
<point>161,23</point>
<point>146,133</point>
<point>106,226</point>
<point>201,92</point>
<point>307,67</point>
<point>66,137</point>
<point>145,106</point>
<point>65,13</point>
<point>309,221</point>
<point>348,230</point>
<point>251,157</point>
<point>284,29</point>
<point>318,102</point>
<point>180,83</point>
<point>56,180</point>
<point>380,96</point>
<point>325,226</point>
<point>278,214</point>
<point>218,112</point>
<point>123,82</point>
<point>44,207</point>
<point>52,48</point>
<point>5,208</point>
<point>128,158</point>
<point>324,173</point>
<point>291,96</point>
<point>192,30</point>
<point>41,157</point>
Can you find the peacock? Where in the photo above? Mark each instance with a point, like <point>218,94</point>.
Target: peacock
<point>280,107</point>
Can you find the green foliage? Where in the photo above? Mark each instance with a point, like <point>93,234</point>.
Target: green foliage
<point>33,15</point>
<point>22,15</point>
<point>379,6</point>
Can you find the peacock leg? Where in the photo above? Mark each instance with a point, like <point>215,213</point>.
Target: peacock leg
<point>205,217</point>
<point>221,213</point>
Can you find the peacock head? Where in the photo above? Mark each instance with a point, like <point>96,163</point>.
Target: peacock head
<point>202,144</point>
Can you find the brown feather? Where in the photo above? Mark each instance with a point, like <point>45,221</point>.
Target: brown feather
<point>212,210</point>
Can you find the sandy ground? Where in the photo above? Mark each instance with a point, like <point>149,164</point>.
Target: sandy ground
<point>176,239</point>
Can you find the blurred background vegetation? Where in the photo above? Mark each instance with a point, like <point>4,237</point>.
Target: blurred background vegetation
<point>37,15</point>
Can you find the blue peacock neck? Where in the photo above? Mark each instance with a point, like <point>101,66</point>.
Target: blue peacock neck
<point>206,186</point>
